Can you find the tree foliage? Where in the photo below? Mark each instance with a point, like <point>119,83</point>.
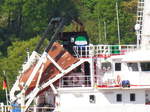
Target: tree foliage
<point>16,56</point>
<point>23,19</point>
<point>101,20</point>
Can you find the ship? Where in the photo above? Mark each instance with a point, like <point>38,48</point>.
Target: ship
<point>76,76</point>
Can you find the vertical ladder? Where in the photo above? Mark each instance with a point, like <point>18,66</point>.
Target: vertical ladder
<point>139,21</point>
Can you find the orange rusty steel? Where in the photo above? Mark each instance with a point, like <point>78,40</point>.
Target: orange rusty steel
<point>63,58</point>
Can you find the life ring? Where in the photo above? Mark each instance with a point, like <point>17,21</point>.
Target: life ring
<point>118,79</point>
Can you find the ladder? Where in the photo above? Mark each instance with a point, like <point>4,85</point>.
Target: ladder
<point>139,21</point>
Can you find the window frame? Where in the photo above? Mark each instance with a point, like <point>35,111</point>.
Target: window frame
<point>120,66</point>
<point>119,97</point>
<point>143,65</point>
<point>133,67</point>
<point>132,97</point>
<point>92,98</point>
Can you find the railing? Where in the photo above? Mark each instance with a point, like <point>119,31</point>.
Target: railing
<point>109,108</point>
<point>85,81</point>
<point>75,81</point>
<point>9,108</point>
<point>103,51</point>
<point>4,108</point>
<point>41,109</point>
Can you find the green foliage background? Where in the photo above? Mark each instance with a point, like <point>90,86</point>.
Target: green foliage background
<point>22,23</point>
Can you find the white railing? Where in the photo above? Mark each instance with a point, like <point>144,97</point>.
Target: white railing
<point>75,81</point>
<point>9,108</point>
<point>85,81</point>
<point>41,109</point>
<point>4,108</point>
<point>102,50</point>
<point>108,108</point>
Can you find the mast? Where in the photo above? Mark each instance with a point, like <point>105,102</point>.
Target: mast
<point>118,22</point>
<point>145,37</point>
<point>105,31</point>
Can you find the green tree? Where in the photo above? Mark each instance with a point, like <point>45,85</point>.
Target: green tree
<point>16,56</point>
<point>23,19</point>
<point>95,13</point>
<point>128,19</point>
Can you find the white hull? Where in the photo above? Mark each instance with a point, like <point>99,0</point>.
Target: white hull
<point>78,100</point>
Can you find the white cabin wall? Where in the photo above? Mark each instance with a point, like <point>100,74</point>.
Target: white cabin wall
<point>105,101</point>
<point>78,102</point>
<point>92,70</point>
<point>111,96</point>
<point>99,72</point>
<point>135,77</point>
<point>146,23</point>
<point>126,74</point>
<point>145,78</point>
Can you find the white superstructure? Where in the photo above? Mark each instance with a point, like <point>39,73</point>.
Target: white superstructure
<point>146,23</point>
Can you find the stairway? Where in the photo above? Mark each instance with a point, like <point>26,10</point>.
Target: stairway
<point>139,21</point>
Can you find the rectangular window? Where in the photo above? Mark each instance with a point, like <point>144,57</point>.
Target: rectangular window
<point>106,66</point>
<point>117,66</point>
<point>92,99</point>
<point>133,66</point>
<point>119,97</point>
<point>145,66</point>
<point>132,97</point>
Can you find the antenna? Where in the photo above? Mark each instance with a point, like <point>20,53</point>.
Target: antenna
<point>105,31</point>
<point>118,22</point>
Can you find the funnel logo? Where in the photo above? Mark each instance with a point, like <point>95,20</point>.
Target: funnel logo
<point>81,40</point>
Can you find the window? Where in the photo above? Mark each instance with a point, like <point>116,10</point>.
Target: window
<point>92,99</point>
<point>132,97</point>
<point>117,66</point>
<point>119,97</point>
<point>106,66</point>
<point>133,66</point>
<point>145,66</point>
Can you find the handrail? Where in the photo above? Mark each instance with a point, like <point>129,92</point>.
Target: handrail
<point>102,50</point>
<point>75,81</point>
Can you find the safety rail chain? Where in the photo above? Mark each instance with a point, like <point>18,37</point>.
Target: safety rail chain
<point>102,51</point>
